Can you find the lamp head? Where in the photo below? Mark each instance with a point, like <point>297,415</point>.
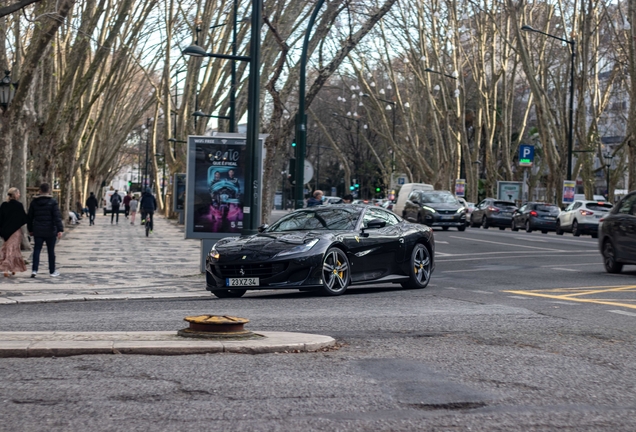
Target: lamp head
<point>527,28</point>
<point>195,51</point>
<point>199,113</point>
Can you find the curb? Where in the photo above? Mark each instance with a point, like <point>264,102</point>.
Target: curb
<point>79,298</point>
<point>62,344</point>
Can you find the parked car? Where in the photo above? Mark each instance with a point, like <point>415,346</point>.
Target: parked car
<point>327,200</point>
<point>581,217</point>
<point>405,192</point>
<point>469,208</point>
<point>324,248</point>
<point>493,212</point>
<point>617,235</point>
<point>435,208</point>
<point>388,204</point>
<point>535,216</point>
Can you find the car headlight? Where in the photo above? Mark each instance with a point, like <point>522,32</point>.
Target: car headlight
<point>430,209</point>
<point>214,254</point>
<point>460,210</point>
<point>298,249</point>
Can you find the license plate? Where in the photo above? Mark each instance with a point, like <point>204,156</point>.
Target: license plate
<point>598,216</point>
<point>242,282</point>
<point>447,217</point>
<point>506,214</point>
<point>550,218</point>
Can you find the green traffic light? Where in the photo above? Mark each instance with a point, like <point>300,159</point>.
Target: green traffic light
<point>294,144</point>
<point>377,189</point>
<point>357,185</point>
<point>350,187</point>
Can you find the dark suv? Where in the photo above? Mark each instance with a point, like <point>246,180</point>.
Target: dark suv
<point>493,212</point>
<point>435,208</point>
<point>617,235</point>
<point>535,216</point>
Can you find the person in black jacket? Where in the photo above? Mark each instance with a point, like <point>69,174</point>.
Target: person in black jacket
<point>148,206</point>
<point>44,223</point>
<point>91,204</point>
<point>12,217</point>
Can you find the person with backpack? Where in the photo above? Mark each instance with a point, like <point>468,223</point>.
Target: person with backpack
<point>115,201</point>
<point>44,223</point>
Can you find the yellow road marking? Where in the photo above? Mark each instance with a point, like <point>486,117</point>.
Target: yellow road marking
<point>582,291</point>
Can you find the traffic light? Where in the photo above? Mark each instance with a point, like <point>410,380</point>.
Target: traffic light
<point>351,187</point>
<point>378,189</point>
<point>357,185</point>
<point>129,184</point>
<point>293,143</point>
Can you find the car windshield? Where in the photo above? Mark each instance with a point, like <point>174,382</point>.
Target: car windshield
<point>599,206</point>
<point>439,198</point>
<point>552,209</point>
<point>330,219</point>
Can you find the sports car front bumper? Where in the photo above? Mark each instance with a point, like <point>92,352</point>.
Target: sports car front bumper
<point>304,271</point>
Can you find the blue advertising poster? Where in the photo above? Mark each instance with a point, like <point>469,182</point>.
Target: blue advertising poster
<point>569,188</point>
<point>218,185</point>
<point>179,192</point>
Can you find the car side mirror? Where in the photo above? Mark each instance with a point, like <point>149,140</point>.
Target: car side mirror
<point>262,228</point>
<point>376,223</point>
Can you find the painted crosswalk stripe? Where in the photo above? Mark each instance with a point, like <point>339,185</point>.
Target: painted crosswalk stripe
<point>623,312</point>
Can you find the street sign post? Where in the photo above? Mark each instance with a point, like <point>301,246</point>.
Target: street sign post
<point>526,155</point>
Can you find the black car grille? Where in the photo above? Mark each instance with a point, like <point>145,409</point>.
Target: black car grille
<point>446,212</point>
<point>264,270</point>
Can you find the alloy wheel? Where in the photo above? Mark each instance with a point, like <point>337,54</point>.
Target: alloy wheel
<point>335,272</point>
<point>420,268</point>
<point>609,258</point>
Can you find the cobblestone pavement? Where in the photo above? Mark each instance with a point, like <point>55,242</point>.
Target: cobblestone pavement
<point>107,261</point>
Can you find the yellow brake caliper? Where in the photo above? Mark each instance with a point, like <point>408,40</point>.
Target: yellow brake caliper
<point>335,271</point>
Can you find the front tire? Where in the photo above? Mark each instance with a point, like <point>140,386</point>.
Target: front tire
<point>484,223</point>
<point>420,268</point>
<point>232,293</point>
<point>461,228</point>
<point>513,226</point>
<point>559,231</point>
<point>336,273</point>
<point>575,229</point>
<point>609,258</point>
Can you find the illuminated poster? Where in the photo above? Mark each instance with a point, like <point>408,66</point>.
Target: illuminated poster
<point>569,187</point>
<point>179,192</point>
<point>219,185</point>
<point>460,187</point>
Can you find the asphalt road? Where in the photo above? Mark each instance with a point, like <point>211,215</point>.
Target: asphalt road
<point>517,331</point>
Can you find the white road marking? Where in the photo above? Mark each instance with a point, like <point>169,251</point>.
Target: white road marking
<point>508,244</point>
<point>481,292</point>
<point>453,288</point>
<point>532,240</point>
<point>467,270</point>
<point>519,297</point>
<point>564,269</point>
<point>439,241</point>
<point>498,258</point>
<point>565,303</point>
<point>623,312</point>
<point>586,264</point>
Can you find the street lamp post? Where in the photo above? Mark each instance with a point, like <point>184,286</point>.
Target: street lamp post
<point>572,44</point>
<point>250,202</point>
<point>607,156</point>
<point>146,179</point>
<point>301,118</point>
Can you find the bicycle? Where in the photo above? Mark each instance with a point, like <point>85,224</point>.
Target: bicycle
<point>148,223</point>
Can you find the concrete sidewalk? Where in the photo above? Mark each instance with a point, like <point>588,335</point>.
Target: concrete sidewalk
<point>112,262</point>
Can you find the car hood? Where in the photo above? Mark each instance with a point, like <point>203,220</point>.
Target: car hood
<point>264,245</point>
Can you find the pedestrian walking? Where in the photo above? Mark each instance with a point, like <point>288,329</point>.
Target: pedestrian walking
<point>115,201</point>
<point>316,199</point>
<point>91,205</point>
<point>133,209</point>
<point>127,200</point>
<point>44,223</point>
<point>12,217</point>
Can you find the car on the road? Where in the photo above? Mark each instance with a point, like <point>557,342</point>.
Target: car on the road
<point>388,204</point>
<point>435,209</point>
<point>617,235</point>
<point>537,216</point>
<point>582,217</point>
<point>492,212</point>
<point>469,208</point>
<point>323,248</point>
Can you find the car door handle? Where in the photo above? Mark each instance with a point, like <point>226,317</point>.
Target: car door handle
<point>401,240</point>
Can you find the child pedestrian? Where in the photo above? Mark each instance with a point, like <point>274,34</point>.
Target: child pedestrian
<point>133,209</point>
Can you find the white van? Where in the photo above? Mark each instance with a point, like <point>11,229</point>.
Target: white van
<point>405,191</point>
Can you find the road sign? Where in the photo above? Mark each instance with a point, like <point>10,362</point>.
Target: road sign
<point>526,155</point>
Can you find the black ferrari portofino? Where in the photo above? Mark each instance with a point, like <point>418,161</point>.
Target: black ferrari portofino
<point>324,248</point>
